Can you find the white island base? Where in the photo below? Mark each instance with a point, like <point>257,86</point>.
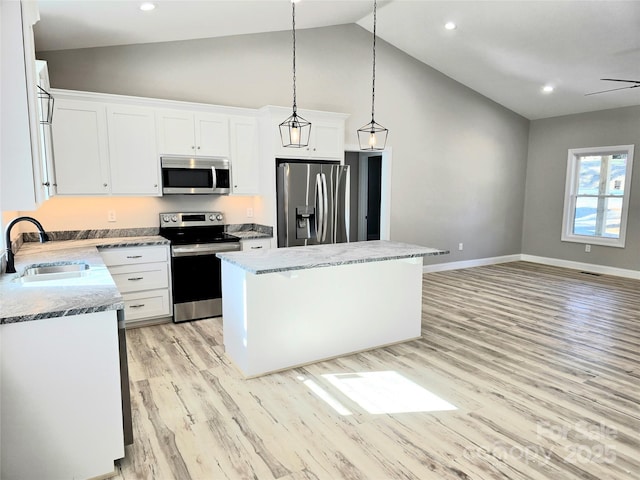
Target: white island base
<point>274,321</point>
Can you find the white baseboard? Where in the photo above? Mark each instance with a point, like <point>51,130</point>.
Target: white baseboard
<point>586,267</point>
<point>556,262</point>
<point>479,262</point>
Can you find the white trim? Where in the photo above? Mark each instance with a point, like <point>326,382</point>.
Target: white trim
<point>568,214</point>
<point>587,267</point>
<point>555,262</point>
<point>385,193</point>
<point>479,262</point>
<point>363,196</point>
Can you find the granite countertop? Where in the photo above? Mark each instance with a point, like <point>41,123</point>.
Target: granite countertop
<point>95,292</point>
<point>250,235</point>
<point>314,256</point>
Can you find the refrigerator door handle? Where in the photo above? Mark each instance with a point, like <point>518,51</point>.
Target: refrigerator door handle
<point>319,210</point>
<point>285,193</point>
<point>325,207</point>
<point>347,202</point>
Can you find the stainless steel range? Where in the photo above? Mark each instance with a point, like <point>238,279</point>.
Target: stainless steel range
<point>196,280</point>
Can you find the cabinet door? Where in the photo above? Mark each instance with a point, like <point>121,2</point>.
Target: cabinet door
<point>21,187</point>
<point>133,159</point>
<point>212,135</point>
<point>80,148</point>
<point>244,156</point>
<point>46,143</point>
<point>175,132</point>
<point>328,140</point>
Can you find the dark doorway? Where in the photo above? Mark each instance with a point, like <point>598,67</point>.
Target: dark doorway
<point>374,190</point>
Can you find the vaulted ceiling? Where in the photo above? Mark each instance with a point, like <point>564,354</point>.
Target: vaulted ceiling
<point>506,50</point>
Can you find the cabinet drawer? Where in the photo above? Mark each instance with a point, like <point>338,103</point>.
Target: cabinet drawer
<point>255,244</point>
<point>134,278</point>
<point>134,255</point>
<point>142,305</point>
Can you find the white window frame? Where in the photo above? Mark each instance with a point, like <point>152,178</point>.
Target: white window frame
<point>570,195</point>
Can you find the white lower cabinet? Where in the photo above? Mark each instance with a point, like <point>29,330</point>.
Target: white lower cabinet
<point>255,244</point>
<point>142,276</point>
<point>61,410</point>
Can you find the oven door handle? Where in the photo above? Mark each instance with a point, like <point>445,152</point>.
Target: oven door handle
<point>207,249</point>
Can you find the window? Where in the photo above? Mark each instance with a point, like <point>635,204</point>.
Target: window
<point>597,195</point>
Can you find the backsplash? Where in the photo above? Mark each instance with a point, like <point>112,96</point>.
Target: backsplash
<point>85,234</point>
<point>61,235</point>
<point>92,213</point>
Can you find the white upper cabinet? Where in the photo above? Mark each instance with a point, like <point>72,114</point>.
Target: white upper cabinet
<point>46,144</point>
<point>134,163</point>
<point>20,156</point>
<point>245,175</point>
<point>81,147</point>
<point>326,140</point>
<point>192,133</point>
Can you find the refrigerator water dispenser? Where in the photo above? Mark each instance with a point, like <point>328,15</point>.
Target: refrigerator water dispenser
<point>305,222</point>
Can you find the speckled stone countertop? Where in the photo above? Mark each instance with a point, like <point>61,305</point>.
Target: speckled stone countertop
<point>249,231</point>
<point>95,292</point>
<point>315,256</point>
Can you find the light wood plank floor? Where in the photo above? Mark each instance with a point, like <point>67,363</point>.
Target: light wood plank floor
<point>542,364</point>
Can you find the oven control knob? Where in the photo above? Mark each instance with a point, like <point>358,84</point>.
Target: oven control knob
<point>166,218</point>
<point>219,217</point>
<point>174,218</point>
<point>211,217</point>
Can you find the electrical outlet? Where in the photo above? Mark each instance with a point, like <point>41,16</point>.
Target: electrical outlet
<point>111,216</point>
<point>460,246</point>
<point>249,212</point>
<point>587,248</point>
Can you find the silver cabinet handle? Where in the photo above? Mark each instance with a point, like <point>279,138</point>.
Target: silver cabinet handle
<point>140,305</point>
<point>256,248</point>
<point>134,256</point>
<point>46,184</point>
<point>133,279</point>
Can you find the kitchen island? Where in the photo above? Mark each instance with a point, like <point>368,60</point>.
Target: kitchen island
<point>288,307</point>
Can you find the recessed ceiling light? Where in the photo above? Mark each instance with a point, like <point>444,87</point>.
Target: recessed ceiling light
<point>450,26</point>
<point>147,6</point>
<point>547,89</point>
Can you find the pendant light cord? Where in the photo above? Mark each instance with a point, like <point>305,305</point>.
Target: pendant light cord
<point>293,14</point>
<point>373,88</point>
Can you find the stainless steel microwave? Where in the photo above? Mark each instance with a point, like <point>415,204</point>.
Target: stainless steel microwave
<point>195,176</point>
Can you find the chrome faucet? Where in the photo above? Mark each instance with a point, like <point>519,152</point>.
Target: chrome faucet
<point>7,237</point>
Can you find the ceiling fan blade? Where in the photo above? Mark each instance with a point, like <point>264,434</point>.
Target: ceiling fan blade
<point>619,80</point>
<point>611,90</point>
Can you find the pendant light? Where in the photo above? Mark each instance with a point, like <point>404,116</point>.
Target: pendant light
<point>295,130</point>
<point>373,136</point>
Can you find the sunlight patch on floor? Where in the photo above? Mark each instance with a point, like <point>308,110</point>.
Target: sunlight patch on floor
<point>377,393</point>
<point>387,392</point>
<point>324,395</point>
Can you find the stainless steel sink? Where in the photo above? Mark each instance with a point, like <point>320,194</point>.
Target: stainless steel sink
<point>54,272</point>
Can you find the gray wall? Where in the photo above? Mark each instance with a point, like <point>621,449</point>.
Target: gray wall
<point>549,141</point>
<point>459,159</point>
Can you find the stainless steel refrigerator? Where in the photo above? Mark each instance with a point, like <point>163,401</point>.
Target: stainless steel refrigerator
<point>313,203</point>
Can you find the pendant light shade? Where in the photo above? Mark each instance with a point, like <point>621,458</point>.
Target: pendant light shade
<point>295,130</point>
<point>373,136</point>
